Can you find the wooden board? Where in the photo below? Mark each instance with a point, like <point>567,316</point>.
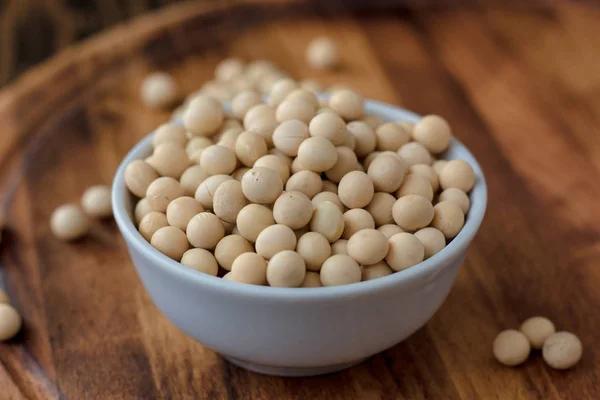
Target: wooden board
<point>521,88</point>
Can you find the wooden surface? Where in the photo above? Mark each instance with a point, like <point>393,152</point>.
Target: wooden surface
<point>520,86</point>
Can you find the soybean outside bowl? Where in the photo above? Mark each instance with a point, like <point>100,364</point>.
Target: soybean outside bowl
<point>307,331</point>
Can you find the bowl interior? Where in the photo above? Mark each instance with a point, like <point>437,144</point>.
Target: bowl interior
<point>123,203</point>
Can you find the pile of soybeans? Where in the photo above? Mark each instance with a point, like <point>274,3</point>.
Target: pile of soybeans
<point>298,191</point>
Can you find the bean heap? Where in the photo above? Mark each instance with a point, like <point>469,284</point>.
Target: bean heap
<point>298,191</point>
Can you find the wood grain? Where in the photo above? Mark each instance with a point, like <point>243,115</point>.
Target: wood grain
<point>520,87</point>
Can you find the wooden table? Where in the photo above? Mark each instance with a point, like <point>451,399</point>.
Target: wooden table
<point>521,88</point>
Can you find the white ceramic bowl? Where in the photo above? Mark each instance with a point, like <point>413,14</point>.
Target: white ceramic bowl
<point>298,332</point>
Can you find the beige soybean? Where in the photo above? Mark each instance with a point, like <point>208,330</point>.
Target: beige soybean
<point>229,69</point>
<point>249,268</point>
<point>433,132</point>
<point>169,159</point>
<point>381,207</point>
<point>355,220</point>
<point>228,200</point>
<point>339,247</point>
<point>368,246</point>
<point>261,185</point>
<point>205,230</point>
<point>356,189</point>
<point>293,209</point>
<point>415,185</point>
<point>314,249</point>
<point>280,90</point>
<point>537,330</point>
<point>96,201</point>
<point>141,209</point>
<point>289,135</point>
<point>511,348</point>
<point>217,159</point>
<point>312,85</point>
<point>274,239</point>
<point>390,230</point>
<point>238,174</point>
<point>286,159</point>
<point>391,136</point>
<point>562,350</point>
<point>253,219</point>
<point>346,162</point>
<point>438,165</point>
<point>10,322</point>
<point>192,178</point>
<point>158,90</point>
<point>170,241</point>
<point>206,191</point>
<point>414,153</point>
<point>69,222</point>
<point>264,127</point>
<point>276,164</point>
<point>327,196</point>
<point>370,158</point>
<point>249,147</point>
<point>412,212</point>
<point>426,171</point>
<point>329,186</point>
<point>322,53</point>
<point>306,182</point>
<point>449,218</point>
<point>347,103</point>
<point>456,196</point>
<point>162,191</point>
<point>295,110</point>
<point>433,240</point>
<point>229,124</point>
<point>311,279</point>
<point>152,222</point>
<point>201,260</point>
<point>203,115</point>
<point>457,174</point>
<point>328,220</point>
<point>258,112</point>
<point>181,210</point>
<point>296,166</point>
<point>350,142</point>
<point>405,250</point>
<point>372,120</point>
<point>229,248</point>
<point>286,269</point>
<point>169,133</point>
<point>317,154</point>
<point>138,176</point>
<point>329,126</point>
<point>197,143</point>
<point>409,126</point>
<point>387,173</point>
<point>374,271</point>
<point>364,138</point>
<point>340,269</point>
<point>303,94</point>
<point>243,101</point>
<point>229,139</point>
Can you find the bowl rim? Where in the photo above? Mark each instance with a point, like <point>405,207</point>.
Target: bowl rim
<point>429,267</point>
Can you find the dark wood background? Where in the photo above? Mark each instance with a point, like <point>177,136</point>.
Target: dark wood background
<point>520,84</point>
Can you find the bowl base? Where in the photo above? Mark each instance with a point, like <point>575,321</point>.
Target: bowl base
<point>291,371</point>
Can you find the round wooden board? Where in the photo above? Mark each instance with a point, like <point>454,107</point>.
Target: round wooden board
<point>92,332</point>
